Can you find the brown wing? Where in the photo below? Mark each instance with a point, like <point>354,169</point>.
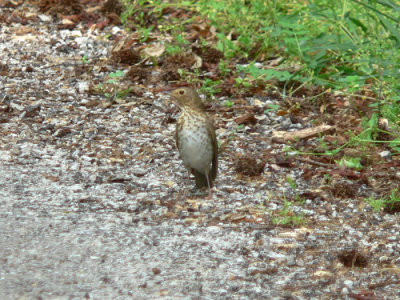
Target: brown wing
<point>176,137</point>
<point>177,129</point>
<point>211,132</point>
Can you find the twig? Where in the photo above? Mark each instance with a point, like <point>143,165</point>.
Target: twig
<point>313,162</point>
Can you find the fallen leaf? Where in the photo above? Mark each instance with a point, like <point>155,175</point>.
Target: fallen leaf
<point>245,119</point>
<point>198,62</point>
<point>156,50</point>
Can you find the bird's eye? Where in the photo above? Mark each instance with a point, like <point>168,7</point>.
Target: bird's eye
<point>181,92</point>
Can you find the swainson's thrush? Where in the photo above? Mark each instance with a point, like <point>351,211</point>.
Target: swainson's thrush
<point>195,138</point>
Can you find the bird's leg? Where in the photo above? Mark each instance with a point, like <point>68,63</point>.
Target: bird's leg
<point>186,185</point>
<point>209,189</point>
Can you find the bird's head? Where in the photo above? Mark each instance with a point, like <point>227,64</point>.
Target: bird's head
<point>187,98</point>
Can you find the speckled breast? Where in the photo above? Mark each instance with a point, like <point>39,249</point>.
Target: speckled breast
<point>195,143</point>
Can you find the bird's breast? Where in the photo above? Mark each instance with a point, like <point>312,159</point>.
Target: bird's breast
<point>195,143</point>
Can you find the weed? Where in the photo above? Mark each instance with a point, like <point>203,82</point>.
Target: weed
<point>144,33</point>
<point>272,107</point>
<point>327,178</point>
<point>173,49</point>
<point>223,67</point>
<point>376,204</point>
<point>347,46</point>
<point>394,199</point>
<point>210,86</point>
<point>239,127</point>
<point>292,183</point>
<point>350,162</point>
<point>293,186</point>
<point>386,202</point>
<point>84,60</point>
<point>228,103</point>
<point>243,82</point>
<point>110,89</point>
<point>287,217</point>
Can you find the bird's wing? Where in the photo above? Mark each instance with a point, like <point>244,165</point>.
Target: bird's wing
<point>211,132</point>
<point>177,129</point>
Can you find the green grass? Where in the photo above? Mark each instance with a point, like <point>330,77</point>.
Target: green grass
<point>287,217</point>
<point>385,202</point>
<point>348,46</point>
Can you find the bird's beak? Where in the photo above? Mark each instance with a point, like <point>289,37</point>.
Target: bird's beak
<point>173,99</point>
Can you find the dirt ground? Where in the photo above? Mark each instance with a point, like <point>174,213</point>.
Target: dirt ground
<point>92,200</point>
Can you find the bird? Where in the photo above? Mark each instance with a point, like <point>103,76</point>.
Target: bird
<point>195,138</point>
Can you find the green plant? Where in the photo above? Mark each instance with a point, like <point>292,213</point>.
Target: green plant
<point>293,186</point>
<point>386,202</point>
<point>287,217</point>
<point>144,33</point>
<point>394,199</point>
<point>346,46</point>
<point>338,45</point>
<point>228,103</point>
<point>272,107</point>
<point>111,88</point>
<point>210,87</point>
<point>350,162</point>
<point>376,204</point>
<point>173,49</point>
<point>127,12</point>
<point>291,182</point>
<point>178,45</point>
<point>142,10</point>
<point>190,76</point>
<point>180,40</point>
<point>224,67</point>
<point>362,140</point>
<point>327,178</point>
<point>115,76</point>
<point>239,127</point>
<point>372,132</point>
<point>84,59</point>
<point>244,82</point>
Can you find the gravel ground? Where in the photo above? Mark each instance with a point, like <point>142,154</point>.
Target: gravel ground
<point>92,194</point>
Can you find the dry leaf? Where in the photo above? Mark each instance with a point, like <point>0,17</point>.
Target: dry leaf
<point>155,50</point>
<point>198,62</point>
<point>246,119</point>
<point>65,21</point>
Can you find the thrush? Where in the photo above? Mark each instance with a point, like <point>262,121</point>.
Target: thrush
<point>195,138</point>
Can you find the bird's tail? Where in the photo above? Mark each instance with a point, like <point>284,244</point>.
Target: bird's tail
<point>201,180</point>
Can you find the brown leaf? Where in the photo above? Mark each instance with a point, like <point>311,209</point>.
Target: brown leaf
<point>155,50</point>
<point>246,119</point>
<point>284,161</point>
